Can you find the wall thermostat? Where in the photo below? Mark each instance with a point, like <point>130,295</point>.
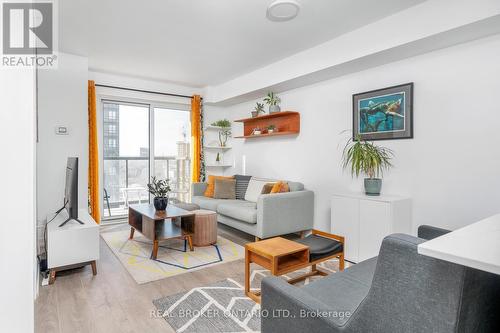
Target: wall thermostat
<point>62,130</point>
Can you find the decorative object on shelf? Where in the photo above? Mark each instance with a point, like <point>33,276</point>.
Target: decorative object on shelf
<point>259,108</point>
<point>218,159</point>
<point>273,101</point>
<point>271,129</point>
<point>256,131</point>
<point>224,131</point>
<point>288,123</point>
<point>159,188</point>
<point>384,114</point>
<point>365,157</point>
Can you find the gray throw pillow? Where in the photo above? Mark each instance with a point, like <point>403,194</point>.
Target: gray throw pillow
<point>225,189</point>
<point>241,186</point>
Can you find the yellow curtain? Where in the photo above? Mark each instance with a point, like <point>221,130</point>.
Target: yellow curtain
<point>195,138</point>
<point>93,156</point>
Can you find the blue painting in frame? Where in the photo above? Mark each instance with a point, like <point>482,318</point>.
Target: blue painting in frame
<point>384,114</point>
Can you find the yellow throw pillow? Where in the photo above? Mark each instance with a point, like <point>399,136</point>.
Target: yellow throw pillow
<point>280,187</point>
<point>209,192</point>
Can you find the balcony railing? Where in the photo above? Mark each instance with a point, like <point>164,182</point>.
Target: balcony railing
<point>132,173</point>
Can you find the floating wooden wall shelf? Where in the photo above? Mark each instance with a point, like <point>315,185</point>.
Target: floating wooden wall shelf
<point>287,123</point>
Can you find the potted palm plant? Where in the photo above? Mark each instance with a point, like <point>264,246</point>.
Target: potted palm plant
<point>224,131</point>
<point>366,157</point>
<point>159,189</point>
<point>259,108</point>
<point>273,101</point>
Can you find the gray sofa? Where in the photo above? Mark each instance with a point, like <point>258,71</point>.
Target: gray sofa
<point>272,215</point>
<point>398,291</point>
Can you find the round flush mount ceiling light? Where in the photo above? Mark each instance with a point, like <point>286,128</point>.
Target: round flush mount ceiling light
<point>283,10</point>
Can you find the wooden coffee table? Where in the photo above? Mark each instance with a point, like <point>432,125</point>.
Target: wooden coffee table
<point>160,225</point>
<point>279,255</point>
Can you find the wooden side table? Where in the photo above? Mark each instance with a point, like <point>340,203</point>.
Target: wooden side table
<point>205,227</point>
<point>279,255</point>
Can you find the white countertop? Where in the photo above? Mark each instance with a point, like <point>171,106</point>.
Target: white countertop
<point>476,245</point>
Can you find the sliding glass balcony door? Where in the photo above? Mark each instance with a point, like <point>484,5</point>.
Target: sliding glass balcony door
<point>130,132</point>
<point>172,138</point>
<point>125,156</point>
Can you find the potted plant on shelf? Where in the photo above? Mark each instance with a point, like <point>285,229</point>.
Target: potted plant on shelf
<point>366,157</point>
<point>159,188</point>
<point>224,131</point>
<point>273,101</point>
<point>259,108</point>
<point>271,129</point>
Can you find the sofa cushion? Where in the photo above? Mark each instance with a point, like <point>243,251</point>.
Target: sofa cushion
<point>267,188</point>
<point>209,203</point>
<point>348,288</point>
<point>225,189</point>
<point>241,186</point>
<point>295,186</point>
<point>280,187</point>
<point>209,192</point>
<point>254,189</point>
<point>243,210</point>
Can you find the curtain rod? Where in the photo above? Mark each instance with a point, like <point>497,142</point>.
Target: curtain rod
<point>144,91</point>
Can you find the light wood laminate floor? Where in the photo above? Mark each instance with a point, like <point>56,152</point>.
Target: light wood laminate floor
<point>112,301</point>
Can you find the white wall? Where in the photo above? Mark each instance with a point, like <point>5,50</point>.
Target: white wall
<point>451,167</point>
<point>17,199</point>
<point>142,84</point>
<point>62,100</point>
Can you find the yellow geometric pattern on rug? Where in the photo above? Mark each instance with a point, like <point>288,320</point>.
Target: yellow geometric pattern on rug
<point>135,255</point>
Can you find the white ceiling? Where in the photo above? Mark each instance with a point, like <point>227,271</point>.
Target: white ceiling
<point>203,42</point>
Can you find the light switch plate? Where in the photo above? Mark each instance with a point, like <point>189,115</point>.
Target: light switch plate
<point>62,130</point>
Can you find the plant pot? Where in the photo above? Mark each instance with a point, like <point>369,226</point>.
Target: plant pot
<point>373,186</point>
<point>160,203</point>
<point>254,114</point>
<point>270,131</point>
<point>274,108</point>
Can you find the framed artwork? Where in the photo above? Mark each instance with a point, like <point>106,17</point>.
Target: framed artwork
<point>384,114</point>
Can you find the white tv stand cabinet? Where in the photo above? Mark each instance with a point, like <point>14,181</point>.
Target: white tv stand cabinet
<point>72,245</point>
<point>365,220</point>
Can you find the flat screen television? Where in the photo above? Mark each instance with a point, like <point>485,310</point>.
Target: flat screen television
<point>71,190</point>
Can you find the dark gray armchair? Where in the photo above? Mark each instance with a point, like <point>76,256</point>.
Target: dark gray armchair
<point>398,291</point>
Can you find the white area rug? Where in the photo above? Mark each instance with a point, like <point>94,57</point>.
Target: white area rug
<point>173,259</point>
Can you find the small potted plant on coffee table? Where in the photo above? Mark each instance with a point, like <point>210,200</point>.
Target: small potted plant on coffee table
<point>160,189</point>
<point>271,129</point>
<point>273,101</point>
<point>365,157</point>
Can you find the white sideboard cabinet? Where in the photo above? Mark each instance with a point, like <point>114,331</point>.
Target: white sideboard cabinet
<point>364,221</point>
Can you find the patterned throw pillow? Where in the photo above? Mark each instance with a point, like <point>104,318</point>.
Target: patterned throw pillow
<point>280,187</point>
<point>241,186</point>
<point>225,189</point>
<point>209,192</point>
